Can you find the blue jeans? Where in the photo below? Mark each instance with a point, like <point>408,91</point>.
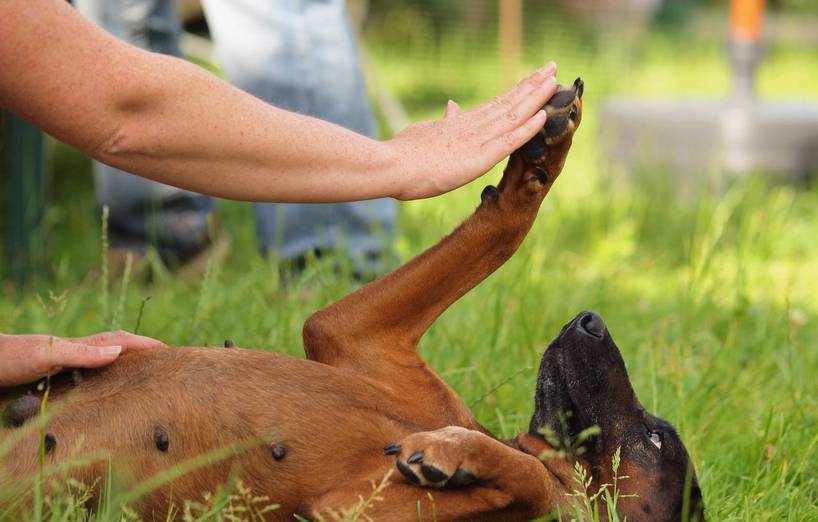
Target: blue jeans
<point>299,55</point>
<point>140,209</point>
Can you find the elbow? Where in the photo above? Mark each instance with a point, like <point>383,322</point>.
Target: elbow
<point>114,145</point>
<point>124,144</point>
<point>318,329</point>
<point>132,115</point>
<point>320,335</point>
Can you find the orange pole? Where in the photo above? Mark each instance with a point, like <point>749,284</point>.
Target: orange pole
<point>511,34</point>
<point>746,20</point>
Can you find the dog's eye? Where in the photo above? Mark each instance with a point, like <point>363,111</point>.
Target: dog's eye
<point>573,114</point>
<point>656,438</point>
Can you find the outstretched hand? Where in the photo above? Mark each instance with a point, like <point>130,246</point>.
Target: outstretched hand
<point>26,358</point>
<point>440,155</point>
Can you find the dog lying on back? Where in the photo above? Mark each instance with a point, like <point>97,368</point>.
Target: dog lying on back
<point>322,430</point>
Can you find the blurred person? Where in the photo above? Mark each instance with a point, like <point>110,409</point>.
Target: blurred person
<point>142,211</point>
<point>164,119</point>
<point>302,56</point>
<point>299,56</point>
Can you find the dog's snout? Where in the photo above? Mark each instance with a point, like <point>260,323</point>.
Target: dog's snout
<point>592,324</point>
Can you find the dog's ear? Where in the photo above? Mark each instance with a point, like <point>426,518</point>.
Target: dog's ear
<point>579,87</point>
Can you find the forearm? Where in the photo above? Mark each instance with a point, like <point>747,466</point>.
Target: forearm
<point>199,133</point>
<point>164,119</point>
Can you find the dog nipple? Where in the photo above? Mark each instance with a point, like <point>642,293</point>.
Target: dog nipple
<point>21,409</point>
<point>279,451</point>
<point>160,438</point>
<point>228,343</point>
<point>49,442</point>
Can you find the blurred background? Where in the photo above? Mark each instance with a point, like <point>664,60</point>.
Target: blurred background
<point>668,91</point>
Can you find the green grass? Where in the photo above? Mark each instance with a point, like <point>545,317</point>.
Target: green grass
<point>712,298</point>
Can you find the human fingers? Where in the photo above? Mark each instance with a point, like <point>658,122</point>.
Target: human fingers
<point>506,143</point>
<point>28,358</point>
<point>520,113</point>
<point>509,99</point>
<point>126,340</point>
<point>52,357</point>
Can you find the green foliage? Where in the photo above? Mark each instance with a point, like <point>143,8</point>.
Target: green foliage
<point>564,446</point>
<point>587,498</point>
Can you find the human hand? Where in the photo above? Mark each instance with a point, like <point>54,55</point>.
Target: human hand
<point>440,155</point>
<point>26,358</point>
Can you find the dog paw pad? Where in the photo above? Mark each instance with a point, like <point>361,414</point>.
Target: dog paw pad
<point>489,194</point>
<point>432,474</point>
<point>407,472</point>
<point>461,478</point>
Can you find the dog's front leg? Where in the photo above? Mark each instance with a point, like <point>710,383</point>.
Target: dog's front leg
<point>384,320</point>
<point>463,475</point>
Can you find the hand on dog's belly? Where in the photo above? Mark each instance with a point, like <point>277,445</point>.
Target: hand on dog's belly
<point>27,358</point>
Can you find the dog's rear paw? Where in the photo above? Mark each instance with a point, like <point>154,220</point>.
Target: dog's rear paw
<point>437,459</point>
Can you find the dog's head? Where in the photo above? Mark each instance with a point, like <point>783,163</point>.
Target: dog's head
<point>582,383</point>
<point>564,113</point>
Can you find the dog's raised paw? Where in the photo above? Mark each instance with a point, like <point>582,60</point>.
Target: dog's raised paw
<point>564,111</point>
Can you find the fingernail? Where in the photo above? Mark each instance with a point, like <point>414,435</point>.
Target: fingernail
<point>108,351</point>
<point>549,67</point>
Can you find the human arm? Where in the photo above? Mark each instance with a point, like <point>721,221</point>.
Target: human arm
<point>167,120</point>
<point>26,358</point>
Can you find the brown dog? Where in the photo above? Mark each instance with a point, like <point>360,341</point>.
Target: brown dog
<point>326,422</point>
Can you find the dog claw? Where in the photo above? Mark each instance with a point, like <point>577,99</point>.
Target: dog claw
<point>407,472</point>
<point>432,474</point>
<point>415,457</point>
<point>391,449</point>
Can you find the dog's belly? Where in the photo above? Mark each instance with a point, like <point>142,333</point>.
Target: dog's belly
<point>306,427</point>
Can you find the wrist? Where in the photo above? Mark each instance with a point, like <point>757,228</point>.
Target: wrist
<point>390,169</point>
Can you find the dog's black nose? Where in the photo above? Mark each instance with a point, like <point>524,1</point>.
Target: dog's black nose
<point>591,324</point>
